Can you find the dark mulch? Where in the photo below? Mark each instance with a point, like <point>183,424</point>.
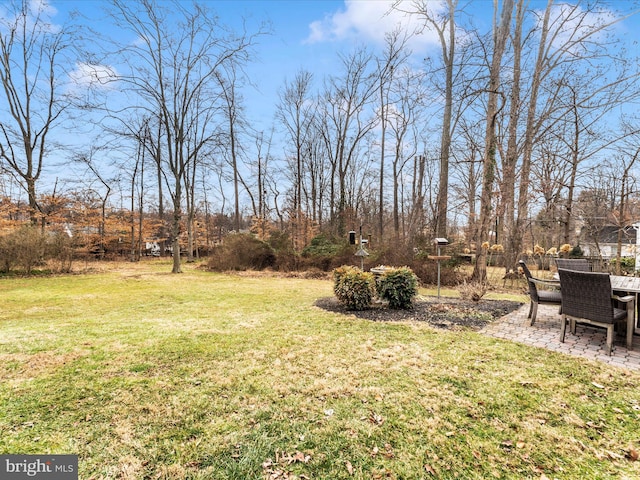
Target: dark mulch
<point>447,313</point>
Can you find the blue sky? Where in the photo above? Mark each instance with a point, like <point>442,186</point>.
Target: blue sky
<point>309,34</point>
<point>305,34</point>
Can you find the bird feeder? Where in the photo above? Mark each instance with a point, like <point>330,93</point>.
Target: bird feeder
<point>361,252</point>
<point>439,243</point>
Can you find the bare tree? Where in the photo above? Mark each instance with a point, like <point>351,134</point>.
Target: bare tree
<point>395,54</point>
<point>201,139</point>
<point>500,36</point>
<point>296,112</point>
<point>170,68</point>
<point>626,161</point>
<point>344,124</point>
<point>444,24</point>
<point>571,43</point>
<point>408,100</point>
<point>138,193</point>
<point>466,173</point>
<point>229,82</point>
<point>89,161</point>
<point>32,61</point>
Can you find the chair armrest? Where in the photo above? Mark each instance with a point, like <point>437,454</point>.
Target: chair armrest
<point>625,299</point>
<point>546,283</point>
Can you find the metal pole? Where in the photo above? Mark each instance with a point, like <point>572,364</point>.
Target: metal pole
<point>438,272</point>
<point>636,227</point>
<point>362,248</point>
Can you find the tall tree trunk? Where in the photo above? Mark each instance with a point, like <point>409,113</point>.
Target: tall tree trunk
<point>448,56</point>
<point>383,127</point>
<point>529,137</point>
<point>501,34</point>
<point>175,228</point>
<point>575,160</point>
<point>512,246</point>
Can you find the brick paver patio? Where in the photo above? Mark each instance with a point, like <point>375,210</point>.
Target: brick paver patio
<point>588,342</point>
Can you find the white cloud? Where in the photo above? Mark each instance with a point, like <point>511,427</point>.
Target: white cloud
<point>86,75</point>
<point>42,6</point>
<point>571,23</point>
<point>369,21</point>
<point>38,15</point>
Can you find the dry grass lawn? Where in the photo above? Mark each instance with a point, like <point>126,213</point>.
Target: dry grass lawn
<point>145,374</point>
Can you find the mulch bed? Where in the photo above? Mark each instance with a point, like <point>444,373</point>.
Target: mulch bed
<point>445,313</point>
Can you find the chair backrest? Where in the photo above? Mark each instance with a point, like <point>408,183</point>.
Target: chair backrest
<point>533,290</point>
<point>586,295</point>
<point>576,264</point>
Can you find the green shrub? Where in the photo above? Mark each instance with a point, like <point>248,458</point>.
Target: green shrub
<point>353,288</point>
<point>241,251</point>
<point>398,286</point>
<point>323,246</point>
<point>576,252</point>
<point>627,264</point>
<point>326,253</point>
<point>24,248</point>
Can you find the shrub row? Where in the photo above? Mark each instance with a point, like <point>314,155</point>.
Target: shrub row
<point>356,289</point>
<point>28,247</point>
<point>243,251</point>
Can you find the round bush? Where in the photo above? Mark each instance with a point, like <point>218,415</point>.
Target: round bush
<point>354,288</point>
<point>398,286</point>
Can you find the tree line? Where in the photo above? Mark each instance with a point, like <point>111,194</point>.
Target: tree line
<point>504,135</point>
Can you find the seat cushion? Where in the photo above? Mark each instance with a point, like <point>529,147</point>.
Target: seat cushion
<point>549,296</point>
<point>619,314</point>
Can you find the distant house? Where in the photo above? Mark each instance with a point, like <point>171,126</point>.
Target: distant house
<point>604,241</point>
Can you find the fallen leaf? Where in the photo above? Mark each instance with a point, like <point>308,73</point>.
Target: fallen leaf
<point>477,455</point>
<point>520,445</point>
<point>429,469</point>
<point>388,451</point>
<point>300,457</point>
<point>349,467</point>
<point>613,455</point>
<point>632,454</point>
<point>375,418</point>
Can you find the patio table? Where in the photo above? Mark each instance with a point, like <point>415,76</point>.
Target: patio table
<point>621,283</point>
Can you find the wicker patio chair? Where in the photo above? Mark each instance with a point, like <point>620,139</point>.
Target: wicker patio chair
<point>575,264</point>
<point>548,295</point>
<point>587,298</point>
